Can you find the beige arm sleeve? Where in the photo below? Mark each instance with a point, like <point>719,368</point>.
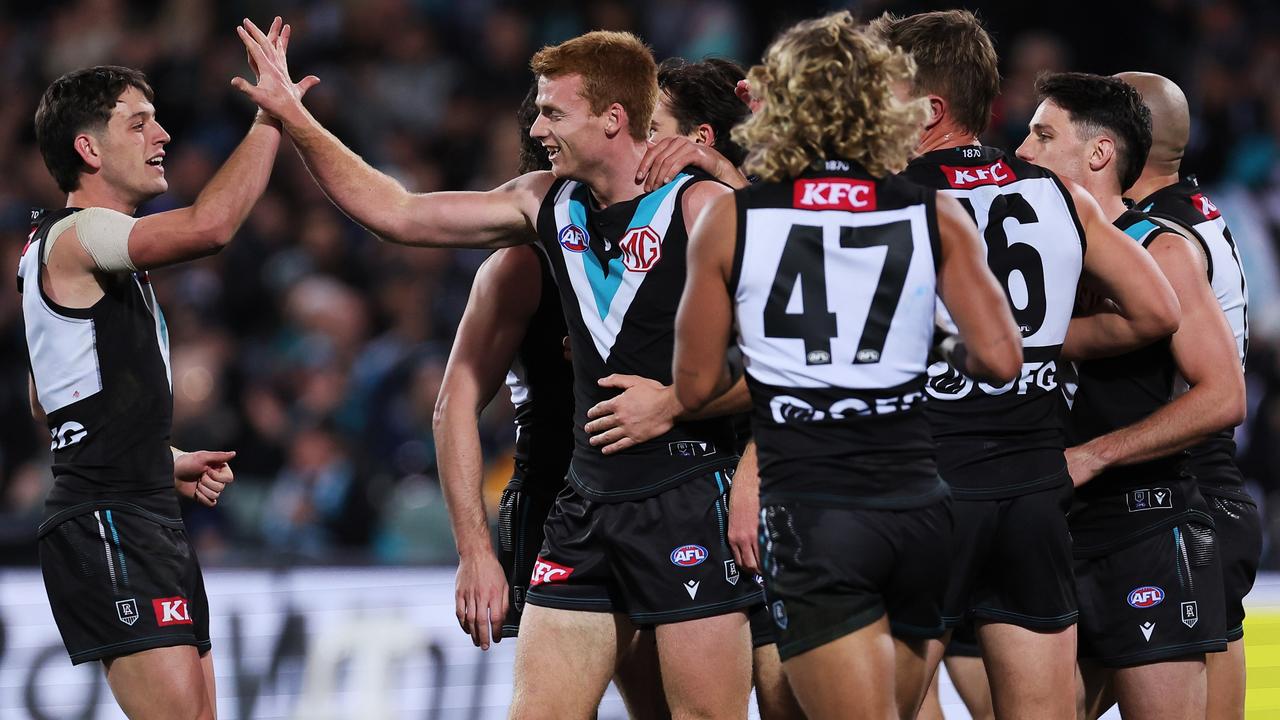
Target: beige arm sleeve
<point>103,233</point>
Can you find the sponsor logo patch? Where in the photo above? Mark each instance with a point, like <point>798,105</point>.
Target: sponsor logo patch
<point>171,611</point>
<point>691,448</point>
<point>1147,596</point>
<point>545,571</point>
<point>1190,613</point>
<point>688,555</point>
<point>691,587</point>
<point>779,612</point>
<point>834,194</point>
<point>67,434</point>
<point>1149,499</point>
<point>1147,628</point>
<point>964,177</point>
<point>731,572</point>
<point>127,611</point>
<point>641,249</point>
<point>573,238</point>
<point>1206,206</point>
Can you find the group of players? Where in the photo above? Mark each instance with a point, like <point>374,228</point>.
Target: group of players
<point>910,464</point>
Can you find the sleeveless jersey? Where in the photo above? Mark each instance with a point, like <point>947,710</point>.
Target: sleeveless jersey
<point>997,441</point>
<point>621,271</point>
<point>1113,393</point>
<point>103,378</point>
<point>1213,461</point>
<point>541,383</point>
<point>834,282</point>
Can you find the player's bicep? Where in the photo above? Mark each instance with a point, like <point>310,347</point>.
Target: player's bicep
<point>705,315</point>
<point>504,295</point>
<point>1118,268</point>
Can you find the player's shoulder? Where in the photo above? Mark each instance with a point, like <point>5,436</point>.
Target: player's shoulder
<point>967,167</point>
<point>1184,202</point>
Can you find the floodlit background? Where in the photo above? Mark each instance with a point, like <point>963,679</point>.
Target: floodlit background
<point>316,352</point>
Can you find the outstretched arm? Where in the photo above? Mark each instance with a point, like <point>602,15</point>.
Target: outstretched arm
<point>504,296</point>
<point>377,201</point>
<point>1143,306</point>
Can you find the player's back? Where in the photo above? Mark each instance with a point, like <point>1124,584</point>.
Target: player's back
<point>1001,440</point>
<point>834,282</point>
<point>1186,204</point>
<point>102,377</point>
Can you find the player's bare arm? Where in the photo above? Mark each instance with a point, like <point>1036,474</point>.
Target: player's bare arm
<point>497,218</point>
<point>1144,307</point>
<point>505,293</point>
<point>991,347</point>
<point>744,511</point>
<point>1204,351</point>
<point>202,475</point>
<point>699,371</point>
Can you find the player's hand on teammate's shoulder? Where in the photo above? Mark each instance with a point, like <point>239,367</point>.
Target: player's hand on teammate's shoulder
<point>664,159</point>
<point>743,91</point>
<point>274,92</point>
<point>480,596</point>
<point>643,410</point>
<point>202,475</point>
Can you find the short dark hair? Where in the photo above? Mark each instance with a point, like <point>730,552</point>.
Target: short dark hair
<point>703,92</point>
<point>78,101</point>
<point>533,156</point>
<point>954,59</point>
<point>1099,104</point>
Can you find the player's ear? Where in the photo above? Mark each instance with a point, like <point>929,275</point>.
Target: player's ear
<point>704,135</point>
<point>1101,152</point>
<point>89,150</point>
<point>615,119</point>
<point>938,108</point>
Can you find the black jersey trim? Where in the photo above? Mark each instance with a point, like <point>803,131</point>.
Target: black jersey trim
<point>1031,622</point>
<point>93,505</point>
<point>150,642</point>
<point>1180,225</point>
<point>652,489</point>
<point>1085,552</point>
<point>851,624</point>
<point>1071,208</point>
<point>723,607</point>
<point>1171,652</point>
<point>739,244</point>
<point>54,307</point>
<point>935,235</point>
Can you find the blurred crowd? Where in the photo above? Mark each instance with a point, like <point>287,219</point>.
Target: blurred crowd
<point>316,352</point>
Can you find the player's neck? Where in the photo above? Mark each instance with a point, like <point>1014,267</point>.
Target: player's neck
<point>1151,181</point>
<point>1109,198</point>
<point>945,135</point>
<point>613,180</point>
<point>93,193</point>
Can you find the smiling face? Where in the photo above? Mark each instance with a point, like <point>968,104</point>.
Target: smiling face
<point>130,149</point>
<point>573,136</point>
<point>1054,142</point>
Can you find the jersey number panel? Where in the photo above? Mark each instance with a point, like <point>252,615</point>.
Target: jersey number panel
<point>804,260</point>
<point>1017,266</point>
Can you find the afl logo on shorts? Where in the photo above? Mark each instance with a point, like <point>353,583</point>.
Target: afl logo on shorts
<point>573,239</point>
<point>1146,596</point>
<point>688,555</point>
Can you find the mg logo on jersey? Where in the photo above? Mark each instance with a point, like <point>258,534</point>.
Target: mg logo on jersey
<point>963,178</point>
<point>545,571</point>
<point>1147,596</point>
<point>127,611</point>
<point>171,611</point>
<point>573,239</point>
<point>834,194</point>
<point>641,249</point>
<point>688,555</point>
<point>1206,206</point>
<point>67,434</point>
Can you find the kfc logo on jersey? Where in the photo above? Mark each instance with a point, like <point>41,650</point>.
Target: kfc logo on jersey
<point>1147,596</point>
<point>1206,206</point>
<point>963,178</point>
<point>545,571</point>
<point>688,555</point>
<point>171,611</point>
<point>834,194</point>
<point>641,249</point>
<point>573,239</point>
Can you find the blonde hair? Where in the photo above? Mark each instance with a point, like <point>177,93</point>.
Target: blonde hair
<point>616,67</point>
<point>827,88</point>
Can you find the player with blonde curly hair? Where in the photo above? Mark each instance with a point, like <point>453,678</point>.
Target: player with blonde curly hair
<point>831,266</point>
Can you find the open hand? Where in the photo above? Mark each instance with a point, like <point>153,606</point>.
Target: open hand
<point>274,91</point>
